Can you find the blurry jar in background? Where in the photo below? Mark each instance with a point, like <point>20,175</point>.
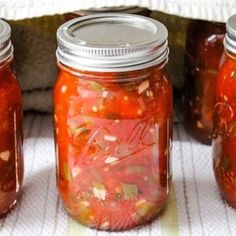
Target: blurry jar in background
<point>204,50</point>
<point>113,120</point>
<point>224,138</point>
<point>11,155</point>
<point>122,9</point>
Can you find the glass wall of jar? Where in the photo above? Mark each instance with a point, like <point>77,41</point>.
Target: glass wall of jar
<point>224,139</point>
<point>204,50</point>
<point>113,120</point>
<point>11,158</point>
<point>121,9</point>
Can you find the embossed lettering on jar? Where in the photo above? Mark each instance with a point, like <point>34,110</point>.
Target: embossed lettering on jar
<point>224,142</point>
<point>113,120</point>
<point>11,157</point>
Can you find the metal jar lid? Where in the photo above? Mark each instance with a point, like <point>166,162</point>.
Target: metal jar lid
<point>112,42</point>
<point>120,9</point>
<point>230,37</point>
<point>6,48</point>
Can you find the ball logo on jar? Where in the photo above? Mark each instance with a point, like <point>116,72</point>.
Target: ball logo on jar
<point>224,122</point>
<point>109,141</point>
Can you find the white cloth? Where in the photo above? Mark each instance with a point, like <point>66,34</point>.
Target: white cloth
<point>195,207</point>
<point>216,10</point>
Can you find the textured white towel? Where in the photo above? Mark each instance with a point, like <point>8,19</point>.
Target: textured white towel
<point>195,207</point>
<point>217,10</point>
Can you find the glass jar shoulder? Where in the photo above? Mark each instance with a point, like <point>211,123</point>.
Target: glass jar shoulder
<point>205,43</point>
<point>226,79</point>
<point>10,90</point>
<point>117,95</point>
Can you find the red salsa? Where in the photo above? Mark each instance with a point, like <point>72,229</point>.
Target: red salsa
<point>11,158</point>
<point>204,50</point>
<point>224,141</point>
<point>113,141</point>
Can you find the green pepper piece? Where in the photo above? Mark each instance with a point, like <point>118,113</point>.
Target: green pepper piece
<point>130,190</point>
<point>225,163</point>
<point>134,169</point>
<point>95,86</point>
<point>79,130</point>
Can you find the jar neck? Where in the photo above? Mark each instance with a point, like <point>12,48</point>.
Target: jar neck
<point>6,63</point>
<point>230,54</point>
<point>116,77</point>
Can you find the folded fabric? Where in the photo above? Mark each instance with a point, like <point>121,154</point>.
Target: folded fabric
<point>217,10</point>
<point>38,100</point>
<point>34,43</point>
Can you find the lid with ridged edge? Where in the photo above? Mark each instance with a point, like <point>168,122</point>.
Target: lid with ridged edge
<point>112,42</point>
<point>6,48</point>
<point>230,37</point>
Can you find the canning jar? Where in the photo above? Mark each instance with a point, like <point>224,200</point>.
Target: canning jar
<point>224,141</point>
<point>121,9</point>
<point>113,120</point>
<point>204,50</point>
<point>11,158</point>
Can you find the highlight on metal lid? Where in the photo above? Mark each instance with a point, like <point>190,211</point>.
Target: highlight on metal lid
<point>6,48</point>
<point>230,37</point>
<point>119,9</point>
<point>112,42</point>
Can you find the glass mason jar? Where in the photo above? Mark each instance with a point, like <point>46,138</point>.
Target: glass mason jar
<point>11,157</point>
<point>113,120</point>
<point>121,9</point>
<point>204,50</point>
<point>224,141</point>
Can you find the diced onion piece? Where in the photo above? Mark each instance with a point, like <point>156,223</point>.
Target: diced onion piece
<point>84,203</point>
<point>199,125</point>
<point>110,160</point>
<point>63,88</point>
<point>225,98</point>
<point>110,138</point>
<point>105,225</point>
<point>66,172</point>
<point>5,156</point>
<point>143,86</point>
<point>149,93</point>
<point>126,98</point>
<point>141,103</point>
<point>233,74</point>
<point>139,112</point>
<point>99,191</point>
<point>104,94</point>
<point>94,109</point>
<point>130,190</point>
<point>75,172</point>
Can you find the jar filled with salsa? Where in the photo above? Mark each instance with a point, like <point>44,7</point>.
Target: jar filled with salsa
<point>204,50</point>
<point>224,139</point>
<point>121,9</point>
<point>113,120</point>
<point>11,158</point>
